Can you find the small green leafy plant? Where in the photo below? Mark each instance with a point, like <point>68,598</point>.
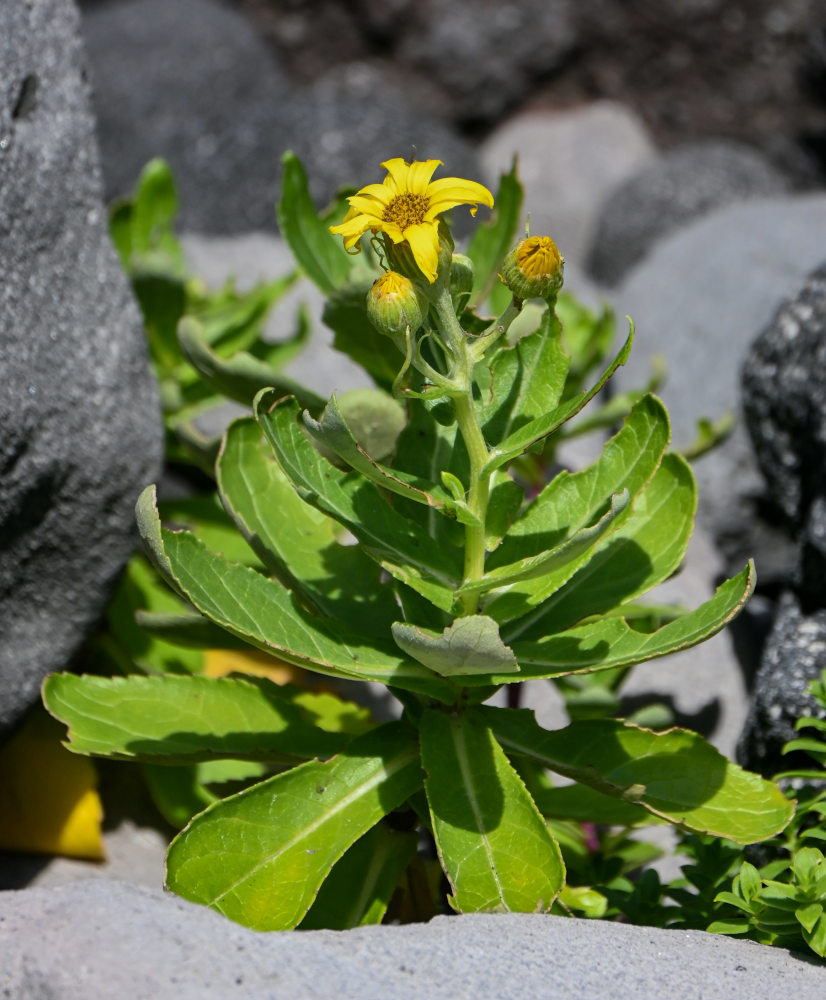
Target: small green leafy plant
<point>397,541</point>
<point>780,900</point>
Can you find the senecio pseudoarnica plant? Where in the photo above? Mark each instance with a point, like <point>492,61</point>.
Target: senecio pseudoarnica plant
<point>457,584</point>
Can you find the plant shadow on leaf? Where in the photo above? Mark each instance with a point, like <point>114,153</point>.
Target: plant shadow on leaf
<point>589,591</point>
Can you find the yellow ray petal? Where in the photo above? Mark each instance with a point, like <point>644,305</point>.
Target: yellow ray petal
<point>367,206</point>
<point>352,229</point>
<point>397,171</point>
<point>381,192</point>
<point>419,175</point>
<point>448,192</point>
<point>424,242</point>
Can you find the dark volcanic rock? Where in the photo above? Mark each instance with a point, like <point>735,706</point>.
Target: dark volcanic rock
<point>81,431</point>
<point>193,82</point>
<point>343,132</point>
<point>485,54</point>
<point>794,655</point>
<point>682,185</point>
<point>784,400</point>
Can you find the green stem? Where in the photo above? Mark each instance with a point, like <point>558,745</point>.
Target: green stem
<point>477,449</point>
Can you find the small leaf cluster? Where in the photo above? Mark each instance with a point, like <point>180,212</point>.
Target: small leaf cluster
<point>779,900</point>
<point>395,538</point>
<point>205,346</point>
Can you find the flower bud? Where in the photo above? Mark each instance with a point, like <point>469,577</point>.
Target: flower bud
<point>461,275</point>
<point>394,303</point>
<point>533,269</point>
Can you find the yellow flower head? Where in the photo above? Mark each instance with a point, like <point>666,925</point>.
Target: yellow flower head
<point>407,206</point>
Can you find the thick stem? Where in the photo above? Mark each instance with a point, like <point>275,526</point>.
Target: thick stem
<point>477,449</point>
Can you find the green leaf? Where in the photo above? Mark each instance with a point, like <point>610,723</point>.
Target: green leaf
<point>645,549</point>
<point>427,448</point>
<point>183,719</point>
<point>321,255</point>
<point>554,560</point>
<point>264,613</point>
<point>345,313</point>
<point>471,645</point>
<point>177,792</point>
<point>391,539</point>
<point>375,419</point>
<point>155,206</point>
<point>192,631</point>
<point>204,516</point>
<point>140,587</point>
<point>339,580</point>
<point>333,433</point>
<point>535,430</point>
<point>259,857</point>
<point>492,240</point>
<point>524,382</point>
<point>234,321</point>
<point>493,843</point>
<point>586,336</point>
<point>587,805</point>
<point>675,775</point>
<point>732,927</point>
<point>240,377</point>
<point>162,300</point>
<point>571,501</point>
<point>610,642</point>
<point>358,889</point>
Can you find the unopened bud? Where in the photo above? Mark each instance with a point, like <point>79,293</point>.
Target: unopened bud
<point>461,275</point>
<point>533,269</point>
<point>395,304</point>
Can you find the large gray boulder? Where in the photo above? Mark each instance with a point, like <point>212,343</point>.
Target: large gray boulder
<point>112,941</point>
<point>353,118</point>
<point>679,186</point>
<point>485,55</point>
<point>193,82</point>
<point>79,412</point>
<point>569,160</point>
<point>698,301</point>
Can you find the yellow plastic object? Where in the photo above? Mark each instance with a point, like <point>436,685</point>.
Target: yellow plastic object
<point>48,798</point>
<point>220,662</point>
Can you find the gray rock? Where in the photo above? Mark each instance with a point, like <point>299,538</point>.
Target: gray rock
<point>681,185</point>
<point>784,399</point>
<point>810,579</point>
<point>193,82</point>
<point>114,941</point>
<point>568,162</point>
<point>697,302</point>
<point>486,55</point>
<point>794,655</point>
<point>342,131</point>
<point>78,406</point>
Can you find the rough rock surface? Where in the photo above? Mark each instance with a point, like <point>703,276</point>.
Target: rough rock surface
<point>352,119</point>
<point>114,941</point>
<point>794,655</point>
<point>484,54</point>
<point>193,82</point>
<point>680,186</point>
<point>568,162</point>
<point>78,406</point>
<point>784,399</point>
